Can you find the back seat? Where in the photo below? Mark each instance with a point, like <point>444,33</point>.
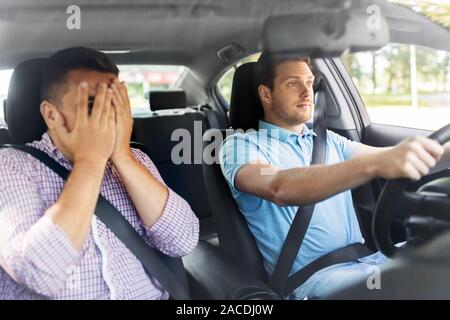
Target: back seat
<point>170,112</point>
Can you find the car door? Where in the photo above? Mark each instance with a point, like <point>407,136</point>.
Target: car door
<point>399,91</point>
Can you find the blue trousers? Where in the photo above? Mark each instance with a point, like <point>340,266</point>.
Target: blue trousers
<point>336,277</point>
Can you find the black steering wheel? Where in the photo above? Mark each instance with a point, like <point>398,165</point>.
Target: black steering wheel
<point>427,205</point>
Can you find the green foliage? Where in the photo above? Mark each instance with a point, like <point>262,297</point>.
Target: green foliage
<point>393,70</point>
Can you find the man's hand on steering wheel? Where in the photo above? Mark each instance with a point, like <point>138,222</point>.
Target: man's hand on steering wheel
<point>447,147</point>
<point>412,158</point>
<point>399,199</point>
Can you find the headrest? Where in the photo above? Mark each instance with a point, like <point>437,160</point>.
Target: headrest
<point>245,106</point>
<point>167,99</point>
<point>25,123</point>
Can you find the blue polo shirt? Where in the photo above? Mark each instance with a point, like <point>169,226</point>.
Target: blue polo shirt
<point>334,223</point>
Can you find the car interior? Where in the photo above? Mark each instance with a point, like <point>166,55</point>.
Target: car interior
<point>209,38</point>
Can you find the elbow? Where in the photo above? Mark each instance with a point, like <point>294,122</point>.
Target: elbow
<point>277,192</point>
<point>183,242</point>
<point>283,194</point>
<point>191,239</point>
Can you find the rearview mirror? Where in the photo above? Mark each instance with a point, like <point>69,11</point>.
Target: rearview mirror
<point>324,34</point>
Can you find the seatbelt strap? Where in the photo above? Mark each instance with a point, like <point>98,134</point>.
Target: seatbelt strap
<point>280,281</point>
<point>168,271</point>
<point>349,253</point>
<point>304,214</point>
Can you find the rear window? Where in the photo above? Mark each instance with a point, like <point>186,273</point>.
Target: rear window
<point>140,80</point>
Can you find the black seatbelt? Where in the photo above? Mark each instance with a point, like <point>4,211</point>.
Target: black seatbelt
<point>168,271</point>
<point>280,281</point>
<point>341,255</point>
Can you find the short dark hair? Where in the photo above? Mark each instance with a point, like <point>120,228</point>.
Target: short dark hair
<point>54,77</point>
<point>266,66</point>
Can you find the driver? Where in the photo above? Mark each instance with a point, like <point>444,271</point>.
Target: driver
<point>269,175</point>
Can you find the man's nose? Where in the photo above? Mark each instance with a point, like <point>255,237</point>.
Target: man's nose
<point>305,92</point>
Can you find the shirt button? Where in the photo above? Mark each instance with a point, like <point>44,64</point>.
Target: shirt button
<point>70,270</point>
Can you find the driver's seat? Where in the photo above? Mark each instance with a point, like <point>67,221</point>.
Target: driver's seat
<point>235,238</point>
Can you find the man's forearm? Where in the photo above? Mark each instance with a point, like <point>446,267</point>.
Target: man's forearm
<point>75,206</point>
<point>149,196</point>
<point>300,186</point>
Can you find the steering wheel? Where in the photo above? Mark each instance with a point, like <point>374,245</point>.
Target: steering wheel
<point>426,206</point>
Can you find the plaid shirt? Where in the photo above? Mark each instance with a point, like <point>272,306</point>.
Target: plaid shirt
<point>37,258</point>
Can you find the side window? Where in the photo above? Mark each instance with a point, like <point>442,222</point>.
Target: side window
<point>5,76</point>
<point>403,85</point>
<point>226,80</point>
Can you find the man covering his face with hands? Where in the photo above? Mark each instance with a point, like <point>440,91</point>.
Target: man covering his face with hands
<point>51,244</point>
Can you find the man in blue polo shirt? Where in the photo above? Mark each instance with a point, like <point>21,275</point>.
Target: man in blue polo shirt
<point>269,176</point>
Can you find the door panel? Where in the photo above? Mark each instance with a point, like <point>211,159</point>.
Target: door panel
<point>381,135</point>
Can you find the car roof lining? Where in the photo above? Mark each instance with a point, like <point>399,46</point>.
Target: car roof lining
<point>174,31</point>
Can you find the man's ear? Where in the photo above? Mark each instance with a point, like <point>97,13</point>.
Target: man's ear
<point>50,114</point>
<point>264,94</point>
